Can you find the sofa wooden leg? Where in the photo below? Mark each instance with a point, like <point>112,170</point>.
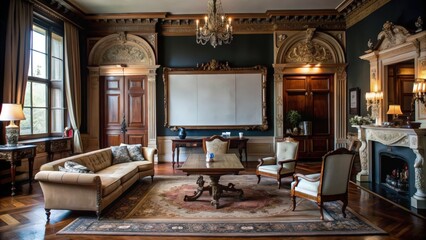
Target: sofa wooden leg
<point>47,211</point>
<point>152,178</point>
<point>258,179</point>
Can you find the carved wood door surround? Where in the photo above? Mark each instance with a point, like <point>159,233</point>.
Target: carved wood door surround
<point>121,86</point>
<point>313,53</point>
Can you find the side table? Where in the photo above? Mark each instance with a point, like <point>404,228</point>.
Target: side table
<point>14,154</point>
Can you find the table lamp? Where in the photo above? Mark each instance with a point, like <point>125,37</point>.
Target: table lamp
<point>395,110</point>
<point>11,112</point>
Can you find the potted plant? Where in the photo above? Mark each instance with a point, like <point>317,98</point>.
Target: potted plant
<point>293,118</point>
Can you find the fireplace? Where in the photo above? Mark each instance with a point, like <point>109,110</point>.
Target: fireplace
<point>385,149</point>
<point>393,168</point>
<point>394,173</point>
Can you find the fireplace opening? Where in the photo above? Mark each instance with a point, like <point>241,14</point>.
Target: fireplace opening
<point>394,173</point>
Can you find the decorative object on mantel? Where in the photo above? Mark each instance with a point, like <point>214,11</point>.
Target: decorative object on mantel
<point>359,120</point>
<point>419,90</point>
<point>216,29</point>
<point>419,93</point>
<point>394,110</point>
<point>419,24</point>
<point>11,112</point>
<point>373,101</point>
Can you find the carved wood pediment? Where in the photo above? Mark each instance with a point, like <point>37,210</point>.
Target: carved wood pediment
<point>118,54</point>
<point>122,48</point>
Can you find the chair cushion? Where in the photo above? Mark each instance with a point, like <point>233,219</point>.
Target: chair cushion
<point>286,150</point>
<point>309,188</point>
<point>217,146</point>
<point>273,169</point>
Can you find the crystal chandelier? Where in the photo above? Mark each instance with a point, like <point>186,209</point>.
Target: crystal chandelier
<point>215,30</point>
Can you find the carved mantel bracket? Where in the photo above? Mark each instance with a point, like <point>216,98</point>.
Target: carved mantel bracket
<point>415,139</point>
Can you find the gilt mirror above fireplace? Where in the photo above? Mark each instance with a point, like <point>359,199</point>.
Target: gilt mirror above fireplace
<point>396,59</point>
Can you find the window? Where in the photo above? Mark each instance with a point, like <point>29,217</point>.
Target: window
<point>44,106</point>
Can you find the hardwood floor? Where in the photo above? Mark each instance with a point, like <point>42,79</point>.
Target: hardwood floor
<point>22,216</point>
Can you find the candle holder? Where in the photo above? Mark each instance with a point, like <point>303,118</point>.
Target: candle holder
<point>374,102</point>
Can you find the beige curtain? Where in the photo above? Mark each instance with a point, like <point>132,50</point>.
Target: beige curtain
<point>17,52</point>
<point>73,81</point>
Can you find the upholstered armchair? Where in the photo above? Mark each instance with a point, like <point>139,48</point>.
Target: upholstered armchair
<point>283,164</point>
<point>216,144</point>
<point>331,184</point>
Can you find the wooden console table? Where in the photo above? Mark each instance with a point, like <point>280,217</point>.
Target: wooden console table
<point>51,145</point>
<point>14,154</point>
<point>240,143</point>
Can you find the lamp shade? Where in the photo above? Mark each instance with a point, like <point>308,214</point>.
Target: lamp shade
<point>10,112</point>
<point>394,109</point>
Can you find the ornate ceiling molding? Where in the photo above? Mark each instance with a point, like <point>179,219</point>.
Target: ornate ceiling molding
<point>346,15</point>
<point>356,10</point>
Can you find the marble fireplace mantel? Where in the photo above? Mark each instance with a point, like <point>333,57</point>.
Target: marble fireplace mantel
<point>415,139</point>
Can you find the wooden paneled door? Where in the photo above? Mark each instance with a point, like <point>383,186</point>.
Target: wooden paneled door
<point>124,110</point>
<point>312,96</point>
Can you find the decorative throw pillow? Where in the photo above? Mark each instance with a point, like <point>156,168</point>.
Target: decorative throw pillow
<point>135,152</point>
<point>120,154</point>
<point>71,166</point>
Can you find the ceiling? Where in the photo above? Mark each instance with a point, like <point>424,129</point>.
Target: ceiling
<point>199,6</point>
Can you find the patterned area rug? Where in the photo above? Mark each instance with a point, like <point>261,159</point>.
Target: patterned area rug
<point>158,209</point>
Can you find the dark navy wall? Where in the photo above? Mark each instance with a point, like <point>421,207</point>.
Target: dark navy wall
<point>244,51</point>
<point>403,13</point>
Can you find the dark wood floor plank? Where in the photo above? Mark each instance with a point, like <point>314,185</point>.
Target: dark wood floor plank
<point>28,209</point>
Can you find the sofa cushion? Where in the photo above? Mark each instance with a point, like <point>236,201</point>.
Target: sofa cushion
<point>71,166</point>
<point>135,151</point>
<point>97,161</point>
<point>123,171</point>
<point>120,154</point>
<point>109,184</point>
<point>142,165</point>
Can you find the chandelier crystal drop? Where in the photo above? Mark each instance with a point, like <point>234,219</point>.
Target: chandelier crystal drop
<point>216,29</point>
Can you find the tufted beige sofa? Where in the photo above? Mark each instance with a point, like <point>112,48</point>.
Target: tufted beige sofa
<point>91,192</point>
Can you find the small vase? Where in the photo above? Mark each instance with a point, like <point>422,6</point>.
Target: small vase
<point>182,133</point>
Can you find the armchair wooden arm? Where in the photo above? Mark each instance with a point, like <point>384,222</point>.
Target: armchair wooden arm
<point>299,175</point>
<point>281,162</point>
<point>266,161</point>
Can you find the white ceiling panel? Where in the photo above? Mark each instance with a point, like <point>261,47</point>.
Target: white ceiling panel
<point>198,6</point>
